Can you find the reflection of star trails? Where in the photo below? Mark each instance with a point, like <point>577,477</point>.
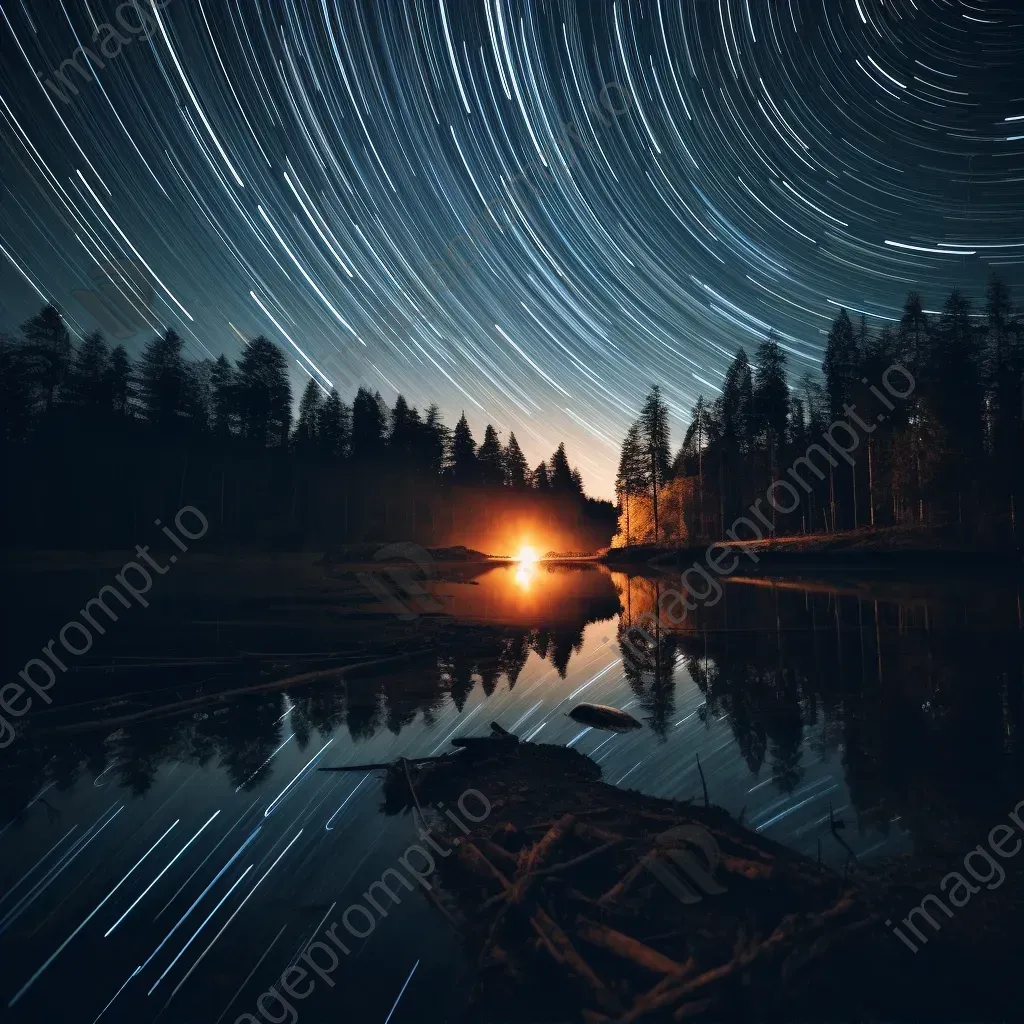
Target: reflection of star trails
<point>220,903</point>
<point>65,860</point>
<point>523,718</point>
<point>280,796</point>
<point>170,863</point>
<point>31,981</point>
<point>37,863</point>
<point>269,759</point>
<point>238,910</point>
<point>104,772</point>
<point>199,899</point>
<point>345,801</point>
<point>402,993</point>
<point>273,942</point>
<point>199,867</point>
<point>116,994</point>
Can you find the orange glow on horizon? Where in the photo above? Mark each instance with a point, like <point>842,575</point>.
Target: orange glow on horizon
<point>527,555</point>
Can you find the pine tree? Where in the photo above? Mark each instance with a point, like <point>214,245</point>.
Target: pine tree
<point>434,443</point>
<point>491,458</point>
<point>842,364</point>
<point>16,397</point>
<point>49,345</point>
<point>464,467</point>
<point>539,479</point>
<point>89,388</point>
<point>119,382</point>
<point>958,383</point>
<point>560,472</point>
<point>913,332</point>
<point>223,400</point>
<point>654,442</point>
<point>306,436</point>
<point>333,427</point>
<point>771,392</point>
<point>368,423</point>
<point>1004,383</point>
<point>631,477</point>
<point>264,394</point>
<point>516,467</point>
<point>405,428</point>
<point>162,381</point>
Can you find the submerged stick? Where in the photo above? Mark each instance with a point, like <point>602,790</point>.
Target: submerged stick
<point>184,705</point>
<point>371,767</point>
<point>703,782</point>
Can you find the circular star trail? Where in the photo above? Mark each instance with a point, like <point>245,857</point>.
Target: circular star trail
<point>527,210</point>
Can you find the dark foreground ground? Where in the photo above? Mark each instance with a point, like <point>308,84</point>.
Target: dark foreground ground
<point>558,903</point>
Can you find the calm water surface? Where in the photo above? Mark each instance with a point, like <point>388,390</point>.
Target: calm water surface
<point>173,869</point>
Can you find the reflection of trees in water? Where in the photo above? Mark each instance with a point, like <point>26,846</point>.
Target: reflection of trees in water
<point>240,738</point>
<point>918,693</point>
<point>922,712</point>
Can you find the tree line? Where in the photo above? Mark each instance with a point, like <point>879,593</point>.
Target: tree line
<point>947,454</point>
<point>331,471</point>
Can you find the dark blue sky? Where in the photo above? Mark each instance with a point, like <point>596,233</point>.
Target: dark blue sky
<point>529,211</point>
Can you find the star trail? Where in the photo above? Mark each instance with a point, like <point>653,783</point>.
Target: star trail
<point>529,210</point>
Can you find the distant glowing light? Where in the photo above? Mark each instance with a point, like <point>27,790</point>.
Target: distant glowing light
<point>527,555</point>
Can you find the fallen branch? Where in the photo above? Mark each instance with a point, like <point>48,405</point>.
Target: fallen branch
<point>625,946</point>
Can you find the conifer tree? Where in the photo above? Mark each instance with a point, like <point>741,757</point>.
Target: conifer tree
<point>307,428</point>
<point>654,442</point>
<point>333,427</point>
<point>516,467</point>
<point>49,345</point>
<point>491,458</point>
<point>464,467</point>
<point>560,472</point>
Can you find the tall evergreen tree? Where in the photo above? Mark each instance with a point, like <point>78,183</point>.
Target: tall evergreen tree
<point>958,383</point>
<point>464,467</point>
<point>223,399</point>
<point>368,427</point>
<point>90,389</point>
<point>913,331</point>
<point>539,478</point>
<point>654,441</point>
<point>162,381</point>
<point>405,429</point>
<point>560,472</point>
<point>333,426</point>
<point>264,394</point>
<point>490,458</point>
<point>842,364</point>
<point>1004,381</point>
<point>16,392</point>
<point>119,382</point>
<point>49,345</point>
<point>434,443</point>
<point>306,436</point>
<point>516,466</point>
<point>771,392</point>
<point>631,478</point>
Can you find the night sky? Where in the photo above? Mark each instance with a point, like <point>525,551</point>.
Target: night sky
<point>630,190</point>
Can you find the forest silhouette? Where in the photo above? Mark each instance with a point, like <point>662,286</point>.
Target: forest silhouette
<point>949,452</point>
<point>96,445</point>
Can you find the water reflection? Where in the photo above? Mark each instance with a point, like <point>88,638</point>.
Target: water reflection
<point>894,705</point>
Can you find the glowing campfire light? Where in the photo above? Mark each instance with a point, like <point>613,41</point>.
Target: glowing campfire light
<point>527,555</point>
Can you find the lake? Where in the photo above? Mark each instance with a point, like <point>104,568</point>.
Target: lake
<point>173,867</point>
